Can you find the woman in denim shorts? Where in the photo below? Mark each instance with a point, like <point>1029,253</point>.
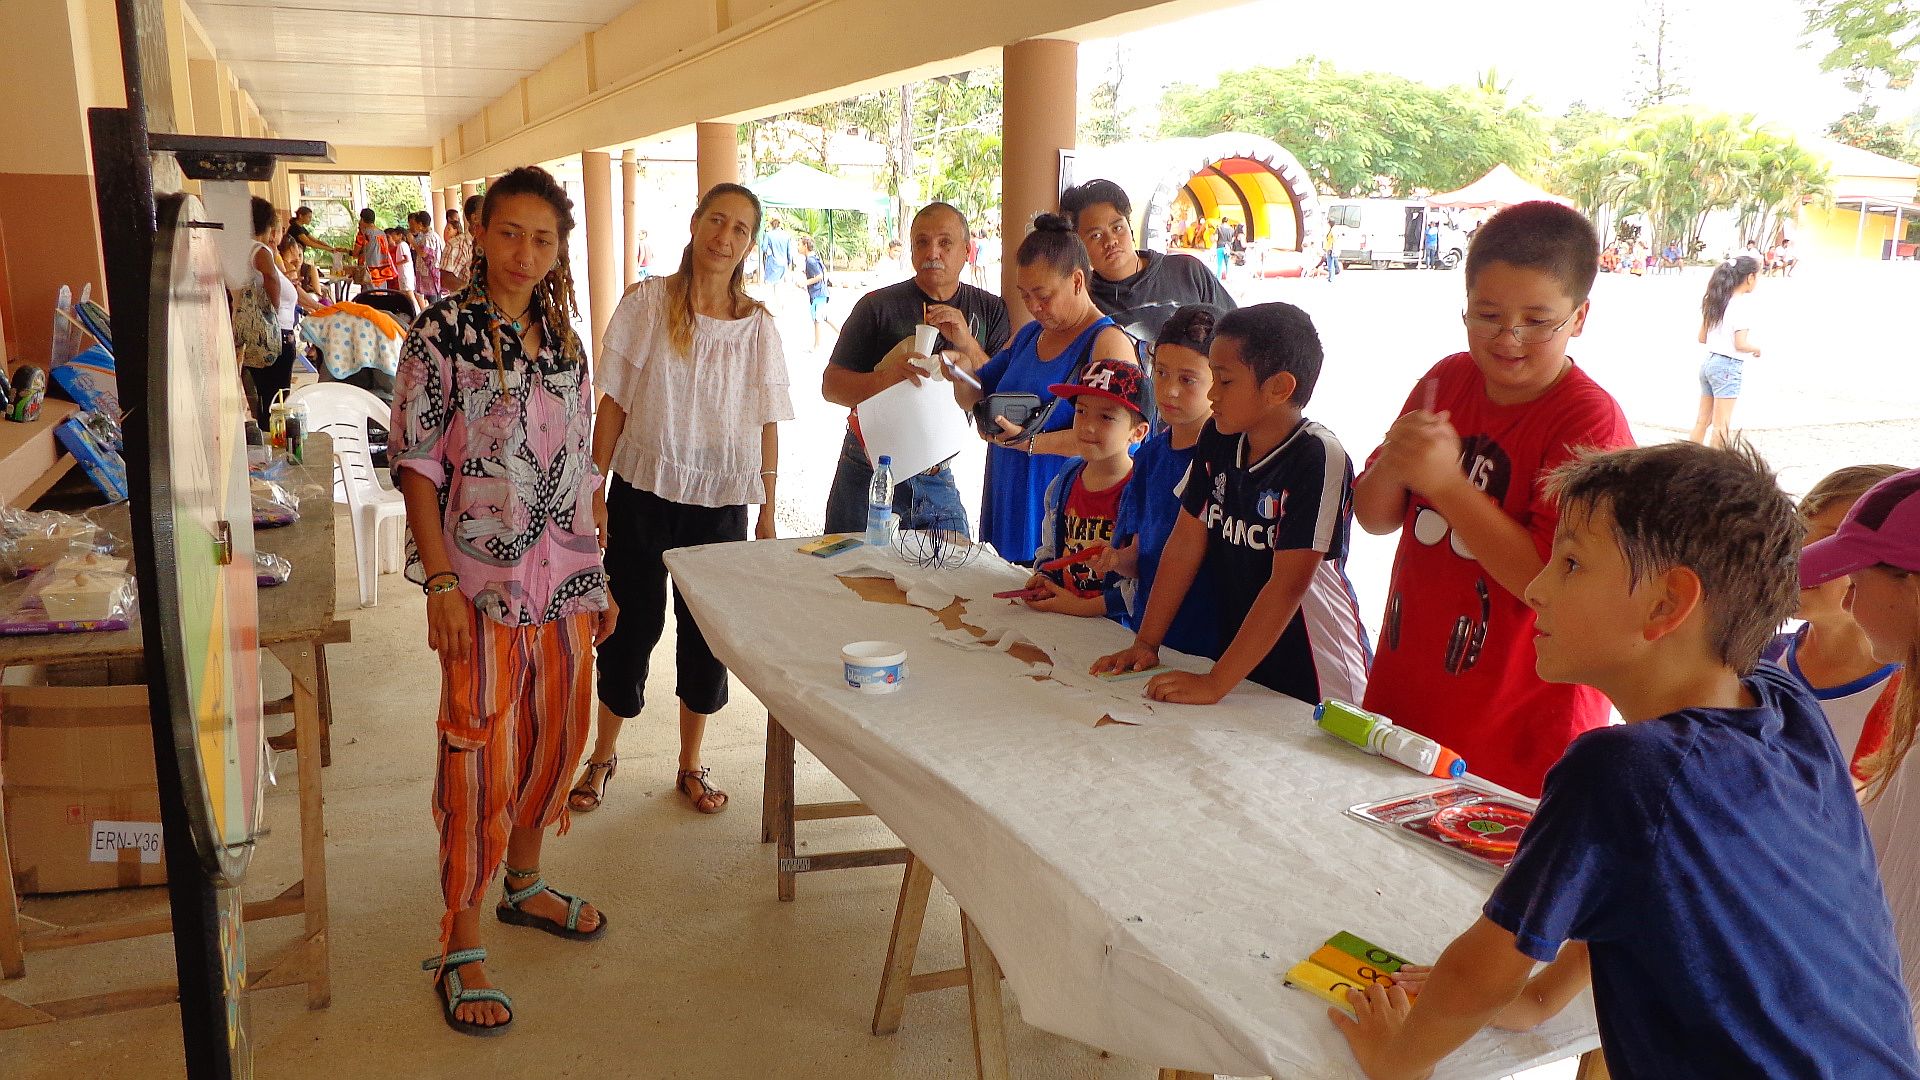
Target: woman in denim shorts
<point>1726,330</point>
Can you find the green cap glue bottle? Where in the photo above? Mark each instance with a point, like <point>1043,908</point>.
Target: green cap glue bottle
<point>1377,734</point>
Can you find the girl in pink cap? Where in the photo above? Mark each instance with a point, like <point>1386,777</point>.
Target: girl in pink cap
<point>1878,547</point>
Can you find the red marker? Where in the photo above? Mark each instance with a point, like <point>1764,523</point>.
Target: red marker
<point>1064,561</point>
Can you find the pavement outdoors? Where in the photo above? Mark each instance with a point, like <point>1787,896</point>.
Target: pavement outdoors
<point>1837,383</point>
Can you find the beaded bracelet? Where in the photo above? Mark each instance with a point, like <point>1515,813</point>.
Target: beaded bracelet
<point>442,582</point>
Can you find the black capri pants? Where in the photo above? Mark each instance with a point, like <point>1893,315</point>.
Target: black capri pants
<point>641,528</point>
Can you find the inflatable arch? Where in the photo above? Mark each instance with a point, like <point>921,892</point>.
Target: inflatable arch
<point>1250,178</point>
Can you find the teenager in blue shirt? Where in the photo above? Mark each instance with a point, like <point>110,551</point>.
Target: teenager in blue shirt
<point>1150,506</point>
<point>1705,864</point>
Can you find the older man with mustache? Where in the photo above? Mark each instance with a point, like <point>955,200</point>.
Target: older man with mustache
<point>872,354</point>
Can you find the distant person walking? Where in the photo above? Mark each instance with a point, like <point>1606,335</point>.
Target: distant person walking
<point>1726,329</point>
<point>1222,240</point>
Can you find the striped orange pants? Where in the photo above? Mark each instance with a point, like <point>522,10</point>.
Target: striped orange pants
<point>514,717</point>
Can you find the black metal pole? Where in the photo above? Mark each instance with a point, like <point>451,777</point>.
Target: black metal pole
<point>124,195</point>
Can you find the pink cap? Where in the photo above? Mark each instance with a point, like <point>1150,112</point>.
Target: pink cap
<point>1883,527</point>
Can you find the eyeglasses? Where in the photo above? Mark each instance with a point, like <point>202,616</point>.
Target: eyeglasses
<point>1524,334</point>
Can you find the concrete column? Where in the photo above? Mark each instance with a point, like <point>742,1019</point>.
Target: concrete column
<point>468,190</point>
<point>629,225</point>
<point>455,202</point>
<point>439,210</point>
<point>1037,122</point>
<point>718,155</point>
<point>603,263</point>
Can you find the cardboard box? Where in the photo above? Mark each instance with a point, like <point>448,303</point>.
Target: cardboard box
<point>82,806</point>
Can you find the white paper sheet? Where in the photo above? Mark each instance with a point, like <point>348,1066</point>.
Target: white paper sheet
<point>1145,888</point>
<point>918,426</point>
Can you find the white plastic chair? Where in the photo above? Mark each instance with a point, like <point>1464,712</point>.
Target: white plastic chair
<point>342,412</point>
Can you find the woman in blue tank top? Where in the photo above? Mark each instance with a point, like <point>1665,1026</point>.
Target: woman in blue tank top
<point>1067,330</point>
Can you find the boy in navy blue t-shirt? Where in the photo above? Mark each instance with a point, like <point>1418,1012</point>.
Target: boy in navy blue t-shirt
<point>1705,864</point>
<point>1265,505</point>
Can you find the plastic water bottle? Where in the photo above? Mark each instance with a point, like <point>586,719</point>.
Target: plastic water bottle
<point>880,504</point>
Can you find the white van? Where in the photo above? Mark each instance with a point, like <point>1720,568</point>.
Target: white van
<point>1390,232</point>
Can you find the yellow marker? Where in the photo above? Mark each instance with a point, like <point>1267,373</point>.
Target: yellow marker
<point>1350,967</point>
<point>1321,983</point>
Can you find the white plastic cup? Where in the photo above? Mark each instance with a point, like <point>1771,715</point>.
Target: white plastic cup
<point>874,667</point>
<point>924,339</point>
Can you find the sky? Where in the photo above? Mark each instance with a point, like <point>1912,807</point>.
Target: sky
<point>1741,56</point>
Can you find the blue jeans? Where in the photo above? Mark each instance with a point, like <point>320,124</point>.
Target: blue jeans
<point>1721,376</point>
<point>919,501</point>
<point>1220,262</point>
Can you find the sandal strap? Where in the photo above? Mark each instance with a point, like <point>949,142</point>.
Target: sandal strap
<point>458,995</point>
<point>516,898</point>
<point>699,777</point>
<point>454,960</point>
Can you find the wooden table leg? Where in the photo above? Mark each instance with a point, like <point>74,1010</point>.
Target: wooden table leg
<point>983,1000</point>
<point>767,785</point>
<point>782,766</point>
<point>13,960</point>
<point>1593,1066</point>
<point>902,947</point>
<point>301,659</point>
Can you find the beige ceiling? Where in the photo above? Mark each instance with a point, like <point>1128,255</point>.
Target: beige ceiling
<point>388,72</point>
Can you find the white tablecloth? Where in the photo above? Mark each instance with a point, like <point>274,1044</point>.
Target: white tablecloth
<point>1145,888</point>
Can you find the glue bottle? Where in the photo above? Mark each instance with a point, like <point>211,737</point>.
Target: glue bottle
<point>880,504</point>
<point>1377,734</point>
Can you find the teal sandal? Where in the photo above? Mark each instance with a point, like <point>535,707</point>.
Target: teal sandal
<point>453,995</point>
<point>509,911</point>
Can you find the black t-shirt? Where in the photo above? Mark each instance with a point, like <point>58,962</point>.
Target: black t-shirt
<point>1176,279</point>
<point>1296,498</point>
<point>299,232</point>
<point>882,317</point>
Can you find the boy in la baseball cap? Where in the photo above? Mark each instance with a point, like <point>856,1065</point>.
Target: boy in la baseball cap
<point>1109,419</point>
<point>1877,547</point>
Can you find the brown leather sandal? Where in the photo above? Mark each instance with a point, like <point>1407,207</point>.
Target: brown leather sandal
<point>709,799</point>
<point>586,796</point>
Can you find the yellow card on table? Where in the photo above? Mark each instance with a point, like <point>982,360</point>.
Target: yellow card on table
<point>1321,983</point>
<point>1349,966</point>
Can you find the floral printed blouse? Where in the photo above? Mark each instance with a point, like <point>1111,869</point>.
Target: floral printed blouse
<point>508,447</point>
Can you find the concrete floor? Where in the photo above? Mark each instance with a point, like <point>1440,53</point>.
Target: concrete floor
<point>703,973</point>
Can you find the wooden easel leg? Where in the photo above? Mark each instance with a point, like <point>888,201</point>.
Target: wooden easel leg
<point>767,784</point>
<point>780,763</point>
<point>902,947</point>
<point>13,959</point>
<point>983,1000</point>
<point>1593,1066</point>
<point>1183,1074</point>
<point>300,657</point>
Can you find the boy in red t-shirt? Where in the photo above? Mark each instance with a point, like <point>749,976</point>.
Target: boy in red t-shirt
<point>1109,420</point>
<point>1461,475</point>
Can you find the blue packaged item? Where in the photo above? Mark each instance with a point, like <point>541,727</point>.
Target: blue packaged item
<point>90,381</point>
<point>104,467</point>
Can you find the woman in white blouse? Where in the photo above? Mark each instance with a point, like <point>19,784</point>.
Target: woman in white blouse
<point>695,386</point>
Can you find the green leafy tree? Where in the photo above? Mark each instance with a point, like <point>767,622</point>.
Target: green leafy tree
<point>1674,166</point>
<point>1656,54</point>
<point>1862,127</point>
<point>1107,123</point>
<point>1874,41</point>
<point>393,198</point>
<point>1356,133</point>
<point>1578,124</point>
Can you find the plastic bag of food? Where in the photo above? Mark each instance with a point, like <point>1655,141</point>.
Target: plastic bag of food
<point>273,505</point>
<point>66,600</point>
<point>270,569</point>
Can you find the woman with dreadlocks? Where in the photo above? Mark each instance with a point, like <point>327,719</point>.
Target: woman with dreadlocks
<point>493,452</point>
<point>696,385</point>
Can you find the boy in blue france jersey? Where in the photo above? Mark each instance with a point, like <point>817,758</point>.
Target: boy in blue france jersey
<point>1266,506</point>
